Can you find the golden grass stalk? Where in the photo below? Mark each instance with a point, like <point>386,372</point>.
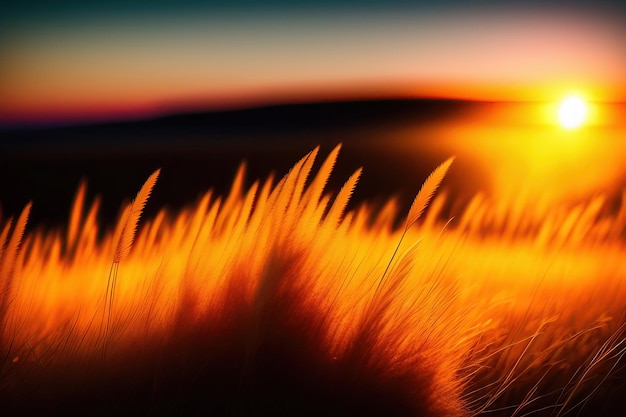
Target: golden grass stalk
<point>420,202</point>
<point>426,192</point>
<point>129,229</point>
<point>8,259</point>
<point>341,201</point>
<point>122,249</point>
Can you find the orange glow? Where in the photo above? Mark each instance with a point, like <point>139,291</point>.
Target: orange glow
<point>527,158</point>
<point>282,266</point>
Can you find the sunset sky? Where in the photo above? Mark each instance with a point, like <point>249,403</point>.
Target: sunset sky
<point>90,60</point>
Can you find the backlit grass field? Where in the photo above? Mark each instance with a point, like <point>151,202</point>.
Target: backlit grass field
<point>275,300</point>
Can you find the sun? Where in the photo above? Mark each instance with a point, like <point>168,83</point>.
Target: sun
<point>572,112</point>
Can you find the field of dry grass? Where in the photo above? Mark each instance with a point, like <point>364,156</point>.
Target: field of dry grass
<point>273,300</point>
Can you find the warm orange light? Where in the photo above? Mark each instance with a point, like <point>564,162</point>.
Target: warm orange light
<point>278,264</point>
<point>572,112</point>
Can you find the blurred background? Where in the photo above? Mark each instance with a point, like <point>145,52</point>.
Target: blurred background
<point>110,91</point>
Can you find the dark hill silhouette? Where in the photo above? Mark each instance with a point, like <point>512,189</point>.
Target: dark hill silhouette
<point>202,150</point>
<point>249,122</point>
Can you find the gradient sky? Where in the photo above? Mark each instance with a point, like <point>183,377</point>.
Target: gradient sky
<point>73,60</point>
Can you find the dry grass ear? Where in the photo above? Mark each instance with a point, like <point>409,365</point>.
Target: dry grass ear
<point>315,189</point>
<point>295,203</point>
<point>127,236</point>
<point>124,244</point>
<point>10,252</point>
<point>341,201</point>
<point>76,216</point>
<point>4,235</point>
<point>426,193</point>
<point>7,259</point>
<point>290,183</point>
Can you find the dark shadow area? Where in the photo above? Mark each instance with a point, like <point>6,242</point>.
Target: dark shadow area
<point>203,150</point>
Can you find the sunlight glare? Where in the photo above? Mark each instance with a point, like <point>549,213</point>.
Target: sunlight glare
<point>572,112</point>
